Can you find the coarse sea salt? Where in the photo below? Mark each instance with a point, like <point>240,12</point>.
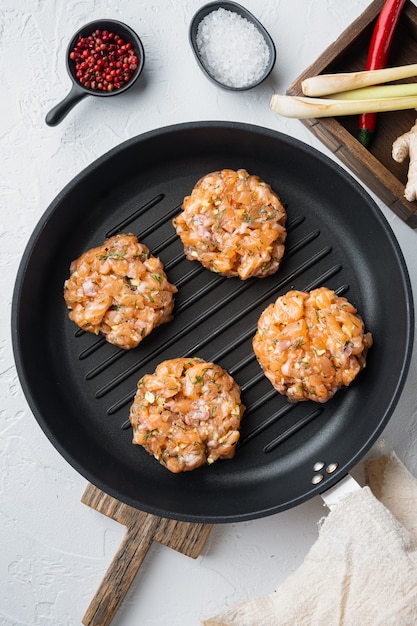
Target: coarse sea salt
<point>231,48</point>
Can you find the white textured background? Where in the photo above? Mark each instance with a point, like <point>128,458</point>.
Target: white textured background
<point>53,549</point>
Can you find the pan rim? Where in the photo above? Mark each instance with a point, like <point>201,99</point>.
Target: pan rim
<point>113,153</point>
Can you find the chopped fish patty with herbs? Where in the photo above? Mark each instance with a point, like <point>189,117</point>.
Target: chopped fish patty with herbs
<point>187,414</point>
<point>119,290</point>
<point>234,224</point>
<point>310,344</point>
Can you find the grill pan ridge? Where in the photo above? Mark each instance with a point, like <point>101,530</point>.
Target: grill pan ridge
<point>80,388</point>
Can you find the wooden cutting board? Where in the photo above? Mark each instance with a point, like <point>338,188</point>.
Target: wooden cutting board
<point>141,530</point>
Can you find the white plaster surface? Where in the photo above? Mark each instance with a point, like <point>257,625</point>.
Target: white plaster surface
<point>54,550</point>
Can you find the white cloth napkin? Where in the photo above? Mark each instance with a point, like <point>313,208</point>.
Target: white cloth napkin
<point>361,571</point>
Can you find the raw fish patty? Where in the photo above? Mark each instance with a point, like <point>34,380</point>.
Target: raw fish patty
<point>120,291</point>
<point>310,344</point>
<point>187,414</point>
<point>234,224</point>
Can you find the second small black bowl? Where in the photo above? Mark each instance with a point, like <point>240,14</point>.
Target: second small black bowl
<point>233,7</point>
<point>79,91</point>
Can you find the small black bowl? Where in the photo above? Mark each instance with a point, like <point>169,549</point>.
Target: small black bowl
<point>79,91</point>
<point>235,8</point>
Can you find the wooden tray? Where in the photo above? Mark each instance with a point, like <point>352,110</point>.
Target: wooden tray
<point>374,166</point>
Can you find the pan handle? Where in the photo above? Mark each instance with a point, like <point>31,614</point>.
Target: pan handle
<point>121,572</point>
<point>343,488</point>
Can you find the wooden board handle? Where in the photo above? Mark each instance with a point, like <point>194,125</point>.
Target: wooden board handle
<point>142,529</point>
<point>121,573</point>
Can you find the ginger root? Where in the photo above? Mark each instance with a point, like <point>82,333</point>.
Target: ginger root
<point>406,145</point>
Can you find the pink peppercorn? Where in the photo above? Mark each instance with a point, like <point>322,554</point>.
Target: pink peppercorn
<point>103,61</point>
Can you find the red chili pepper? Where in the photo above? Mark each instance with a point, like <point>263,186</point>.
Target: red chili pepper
<point>379,48</point>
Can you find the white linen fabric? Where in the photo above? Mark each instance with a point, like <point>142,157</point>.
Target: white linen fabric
<point>362,569</point>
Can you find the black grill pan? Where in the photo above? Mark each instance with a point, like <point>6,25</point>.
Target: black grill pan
<point>80,388</point>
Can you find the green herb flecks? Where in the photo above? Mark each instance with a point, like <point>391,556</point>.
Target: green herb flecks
<point>158,277</point>
<point>111,255</point>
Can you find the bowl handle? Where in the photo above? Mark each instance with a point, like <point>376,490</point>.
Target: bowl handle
<point>60,110</point>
